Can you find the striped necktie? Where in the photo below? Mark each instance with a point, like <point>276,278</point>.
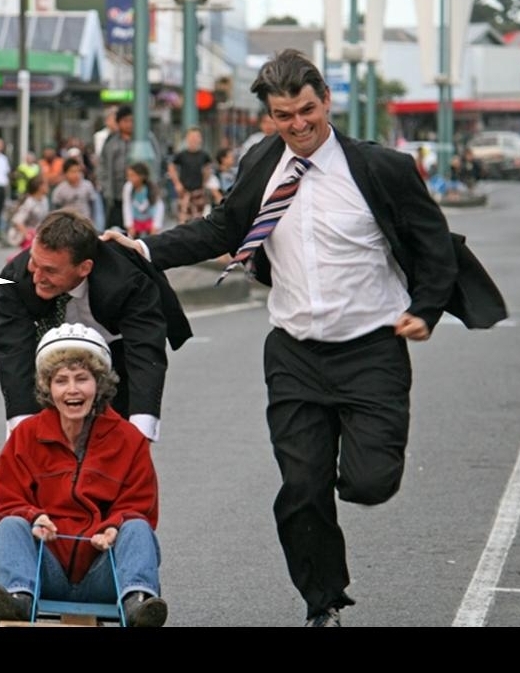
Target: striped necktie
<point>268,217</point>
<point>55,317</point>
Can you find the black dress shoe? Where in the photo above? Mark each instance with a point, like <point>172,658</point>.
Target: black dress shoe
<point>15,607</point>
<point>144,610</point>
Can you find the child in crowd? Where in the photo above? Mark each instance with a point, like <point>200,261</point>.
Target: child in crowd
<point>143,208</point>
<point>34,206</point>
<point>74,191</point>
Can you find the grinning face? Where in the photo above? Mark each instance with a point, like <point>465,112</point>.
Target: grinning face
<point>53,271</point>
<point>302,121</point>
<point>73,391</point>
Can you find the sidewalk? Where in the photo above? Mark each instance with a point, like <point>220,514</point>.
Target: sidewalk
<point>195,285</point>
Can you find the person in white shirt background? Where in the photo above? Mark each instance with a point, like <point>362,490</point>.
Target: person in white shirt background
<point>5,171</point>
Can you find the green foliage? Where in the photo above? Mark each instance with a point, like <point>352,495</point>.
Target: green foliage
<point>281,21</point>
<point>387,91</point>
<point>504,15</point>
<point>83,6</point>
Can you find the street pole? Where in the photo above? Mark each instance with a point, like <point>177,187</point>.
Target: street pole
<point>142,149</point>
<point>444,116</point>
<point>354,57</point>
<point>374,27</point>
<point>190,115</point>
<point>24,88</point>
<point>371,116</point>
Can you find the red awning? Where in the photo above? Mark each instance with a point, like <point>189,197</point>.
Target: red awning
<point>484,105</point>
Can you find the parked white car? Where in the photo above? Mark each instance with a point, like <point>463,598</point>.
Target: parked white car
<point>498,153</point>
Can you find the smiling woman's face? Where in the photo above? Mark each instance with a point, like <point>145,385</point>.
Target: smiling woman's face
<point>73,391</point>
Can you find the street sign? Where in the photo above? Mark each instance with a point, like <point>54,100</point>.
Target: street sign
<point>340,95</point>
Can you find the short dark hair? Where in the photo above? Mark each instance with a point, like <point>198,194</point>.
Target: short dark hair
<point>71,161</point>
<point>222,153</point>
<point>141,168</point>
<point>34,183</point>
<point>287,73</point>
<point>65,229</point>
<point>123,111</point>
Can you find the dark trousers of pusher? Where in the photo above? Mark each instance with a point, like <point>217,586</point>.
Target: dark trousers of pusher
<point>338,415</point>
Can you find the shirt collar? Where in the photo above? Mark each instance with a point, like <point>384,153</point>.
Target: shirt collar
<point>80,290</point>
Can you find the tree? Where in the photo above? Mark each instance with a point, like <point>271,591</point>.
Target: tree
<point>84,5</point>
<point>387,91</point>
<point>281,21</point>
<point>504,15</point>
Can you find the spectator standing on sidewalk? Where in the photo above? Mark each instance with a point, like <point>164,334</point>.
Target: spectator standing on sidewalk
<point>51,165</point>
<point>23,173</point>
<point>100,136</point>
<point>75,191</point>
<point>115,158</point>
<point>266,127</point>
<point>33,207</point>
<point>5,171</point>
<point>189,172</point>
<point>143,208</point>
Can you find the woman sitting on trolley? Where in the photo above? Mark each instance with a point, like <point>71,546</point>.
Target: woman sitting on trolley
<point>81,478</point>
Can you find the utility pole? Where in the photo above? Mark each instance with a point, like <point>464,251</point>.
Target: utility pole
<point>142,149</point>
<point>190,114</point>
<point>445,116</point>
<point>374,26</point>
<point>24,88</point>
<point>354,54</point>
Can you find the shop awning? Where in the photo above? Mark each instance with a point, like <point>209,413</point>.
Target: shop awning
<point>57,43</point>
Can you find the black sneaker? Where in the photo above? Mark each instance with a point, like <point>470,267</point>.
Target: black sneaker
<point>329,617</point>
<point>144,610</point>
<point>15,607</point>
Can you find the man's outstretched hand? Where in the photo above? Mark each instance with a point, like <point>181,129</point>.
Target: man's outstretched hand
<point>111,235</point>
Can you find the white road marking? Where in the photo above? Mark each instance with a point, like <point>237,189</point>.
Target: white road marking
<point>479,596</point>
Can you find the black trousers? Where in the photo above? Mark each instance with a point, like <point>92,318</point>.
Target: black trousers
<point>114,215</point>
<point>338,415</point>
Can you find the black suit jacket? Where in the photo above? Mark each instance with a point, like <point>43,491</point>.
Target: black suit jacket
<point>126,295</point>
<point>442,272</point>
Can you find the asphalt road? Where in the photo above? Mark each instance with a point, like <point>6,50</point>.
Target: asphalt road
<point>443,552</point>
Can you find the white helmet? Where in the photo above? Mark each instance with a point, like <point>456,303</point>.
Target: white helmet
<point>76,336</point>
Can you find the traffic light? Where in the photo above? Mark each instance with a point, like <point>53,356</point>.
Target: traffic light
<point>223,90</point>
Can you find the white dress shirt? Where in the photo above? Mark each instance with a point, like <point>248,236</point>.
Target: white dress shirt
<point>334,277</point>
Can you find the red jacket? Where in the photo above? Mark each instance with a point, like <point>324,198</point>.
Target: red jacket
<point>115,482</point>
